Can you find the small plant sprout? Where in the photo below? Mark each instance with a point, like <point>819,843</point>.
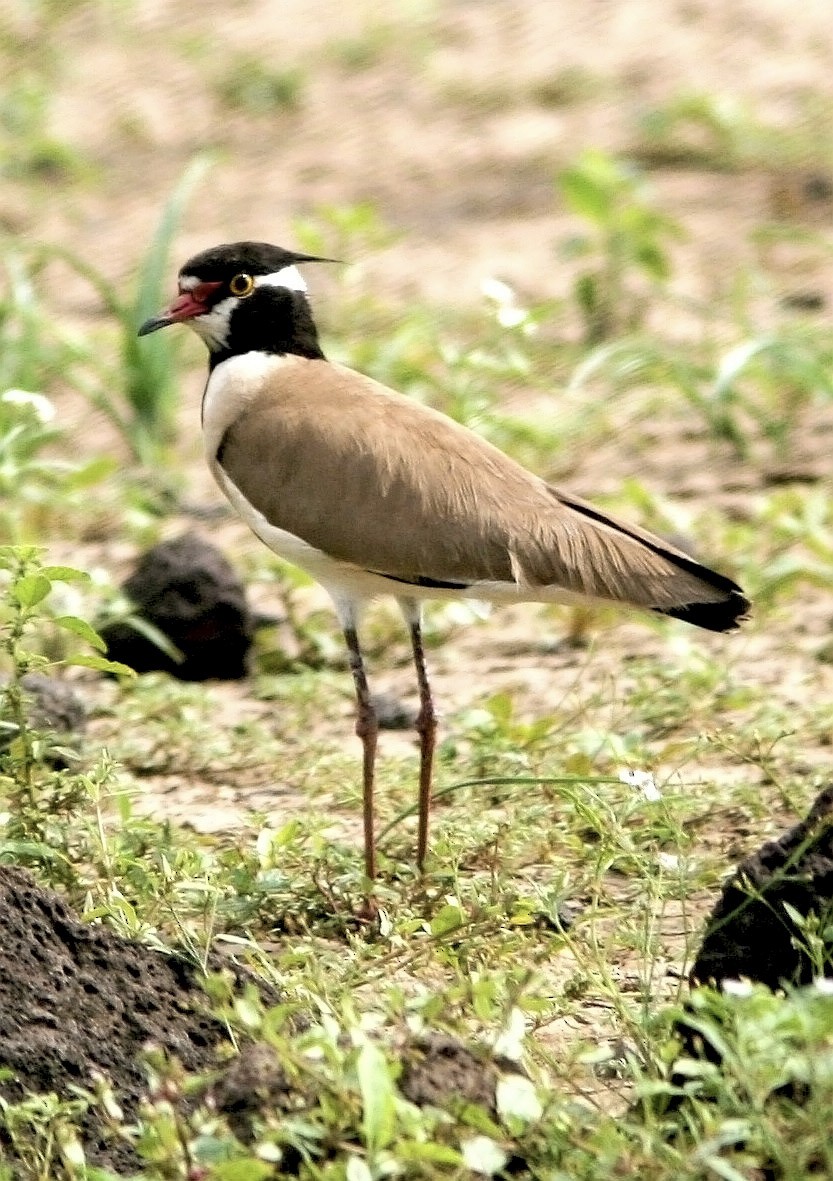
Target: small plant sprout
<point>146,379</point>
<point>625,249</point>
<point>26,584</point>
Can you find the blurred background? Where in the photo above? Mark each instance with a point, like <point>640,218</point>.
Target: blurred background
<point>619,167</point>
<point>599,232</point>
<point>623,164</point>
<point>596,231</point>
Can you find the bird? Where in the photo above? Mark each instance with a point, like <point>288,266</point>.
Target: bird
<point>373,493</point>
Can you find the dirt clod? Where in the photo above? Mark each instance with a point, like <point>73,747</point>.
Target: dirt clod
<point>440,1071</point>
<point>751,932</point>
<point>252,1082</point>
<point>187,589</point>
<point>392,713</point>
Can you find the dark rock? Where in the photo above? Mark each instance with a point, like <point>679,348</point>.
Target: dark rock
<point>803,301</point>
<point>56,706</point>
<point>818,186</point>
<point>188,590</point>
<point>751,931</point>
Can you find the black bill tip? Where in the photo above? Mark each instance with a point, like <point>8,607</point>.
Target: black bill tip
<point>153,325</point>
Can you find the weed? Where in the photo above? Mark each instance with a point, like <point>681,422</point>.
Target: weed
<point>364,50</point>
<point>251,85</point>
<point>769,381</point>
<point>566,87</point>
<point>41,1132</point>
<point>147,376</point>
<point>37,489</point>
<point>27,584</point>
<point>627,242</point>
<point>35,352</point>
<point>700,128</point>
<point>27,149</point>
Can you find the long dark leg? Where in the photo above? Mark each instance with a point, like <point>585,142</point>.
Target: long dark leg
<point>426,725</point>
<point>367,728</point>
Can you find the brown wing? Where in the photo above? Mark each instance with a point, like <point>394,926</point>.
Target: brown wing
<point>379,481</point>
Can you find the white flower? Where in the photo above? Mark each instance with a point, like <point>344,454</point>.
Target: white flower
<point>496,290</point>
<point>643,781</point>
<point>740,988</point>
<point>39,402</point>
<point>357,1170</point>
<point>508,312</point>
<point>483,1155</point>
<point>516,1097</point>
<point>510,1041</point>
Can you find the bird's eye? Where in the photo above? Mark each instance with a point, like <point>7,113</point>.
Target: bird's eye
<point>242,284</point>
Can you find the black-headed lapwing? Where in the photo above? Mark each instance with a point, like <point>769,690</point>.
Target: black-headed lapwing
<point>375,494</point>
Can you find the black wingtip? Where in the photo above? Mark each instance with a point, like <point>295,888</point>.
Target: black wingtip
<point>724,616</point>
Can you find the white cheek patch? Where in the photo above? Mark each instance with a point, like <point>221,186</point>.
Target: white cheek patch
<point>213,326</point>
<point>288,277</point>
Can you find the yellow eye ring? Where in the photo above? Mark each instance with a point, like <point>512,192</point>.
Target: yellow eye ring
<point>242,285</point>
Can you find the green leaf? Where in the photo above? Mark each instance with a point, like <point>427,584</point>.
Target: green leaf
<point>64,574</point>
<point>587,294</point>
<point>31,589</point>
<point>448,918</point>
<point>653,260</point>
<point>585,196</point>
<point>100,664</point>
<point>145,628</point>
<point>378,1097</point>
<point>82,629</point>
<point>250,1169</point>
<point>418,1150</point>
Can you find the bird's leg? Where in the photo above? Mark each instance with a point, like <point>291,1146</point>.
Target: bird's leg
<point>426,725</point>
<point>367,728</point>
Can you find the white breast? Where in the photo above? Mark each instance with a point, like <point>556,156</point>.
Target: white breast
<point>230,387</point>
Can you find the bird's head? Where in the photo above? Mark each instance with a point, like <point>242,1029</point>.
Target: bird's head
<point>243,296</point>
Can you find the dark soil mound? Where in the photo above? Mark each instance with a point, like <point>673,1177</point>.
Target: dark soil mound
<point>187,589</point>
<point>77,999</point>
<point>441,1072</point>
<point>751,931</point>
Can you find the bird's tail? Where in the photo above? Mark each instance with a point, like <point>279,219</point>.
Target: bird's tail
<point>625,564</point>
